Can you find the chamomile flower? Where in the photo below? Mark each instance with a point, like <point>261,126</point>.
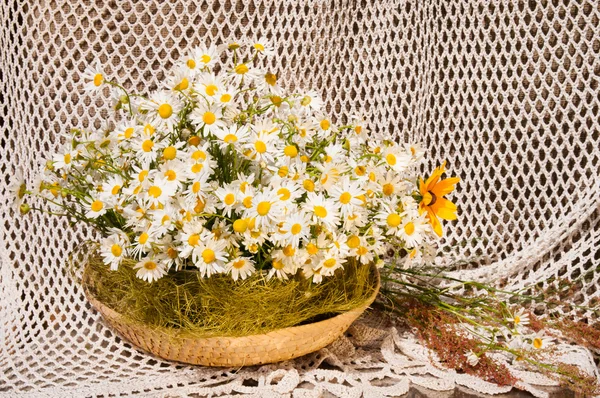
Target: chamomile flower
<point>541,341</point>
<point>267,83</point>
<point>263,46</point>
<point>363,252</point>
<point>111,189</point>
<point>159,191</point>
<point>310,102</point>
<point>113,250</point>
<point>267,209</point>
<point>180,80</point>
<point>225,98</point>
<point>322,210</point>
<point>261,147</point>
<point>209,86</point>
<point>329,263</point>
<point>288,191</point>
<point>413,230</point>
<point>146,149</point>
<point>233,135</point>
<point>210,256</point>
<point>126,130</point>
<point>163,108</point>
<point>200,58</point>
<point>324,127</point>
<point>17,188</point>
<point>280,270</point>
<point>190,236</point>
<point>94,78</point>
<point>150,269</point>
<point>142,243</point>
<point>240,268</point>
<point>243,73</point>
<point>64,160</point>
<point>347,194</point>
<point>227,196</point>
<point>173,173</point>
<point>396,158</point>
<point>519,318</point>
<point>95,208</point>
<point>208,117</point>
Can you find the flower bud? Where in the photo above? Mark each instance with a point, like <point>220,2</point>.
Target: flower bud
<point>24,208</point>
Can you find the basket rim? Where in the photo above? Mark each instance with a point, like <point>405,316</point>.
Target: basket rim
<point>180,334</point>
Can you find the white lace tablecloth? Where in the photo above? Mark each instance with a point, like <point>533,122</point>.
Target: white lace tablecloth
<point>507,91</point>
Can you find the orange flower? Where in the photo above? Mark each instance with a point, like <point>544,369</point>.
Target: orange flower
<point>433,202</point>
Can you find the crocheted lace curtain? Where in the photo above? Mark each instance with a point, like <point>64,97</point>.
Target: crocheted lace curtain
<point>506,91</point>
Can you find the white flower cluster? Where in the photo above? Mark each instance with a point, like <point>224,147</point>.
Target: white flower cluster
<point>227,173</point>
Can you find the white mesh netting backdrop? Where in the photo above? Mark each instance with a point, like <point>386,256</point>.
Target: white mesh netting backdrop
<point>507,91</point>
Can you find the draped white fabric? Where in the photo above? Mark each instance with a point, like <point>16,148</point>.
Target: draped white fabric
<point>506,91</point>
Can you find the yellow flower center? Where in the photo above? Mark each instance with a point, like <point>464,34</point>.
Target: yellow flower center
<point>241,69</point>
<point>263,208</point>
<point>393,220</point>
<point>304,158</point>
<point>142,176</point>
<point>128,132</point>
<point>194,239</point>
<point>149,130</point>
<point>325,124</point>
<point>229,199</point>
<point>165,111</point>
<point>150,265</point>
<point>154,191</point>
<point>358,129</point>
<point>271,79</point>
<point>172,253</point>
<point>360,170</point>
<point>329,263</point>
<point>538,343</point>
<point>147,145</point>
<point>260,147</point>
<point>296,229</point>
<point>278,264</point>
<point>312,249</point>
<point>320,211</point>
<point>211,89</point>
<point>259,47</point>
<point>230,138</point>
<point>115,190</point>
<point>170,153</point>
<point>361,251</point>
<point>239,264</point>
<point>391,159</point>
<point>143,238</point>
<point>353,242</point>
<point>194,140</point>
<point>199,155</point>
<point>97,205</point>
<point>205,58</point>
<point>240,225</point>
<point>409,228</point>
<point>517,319</point>
<point>388,189</point>
<point>225,98</point>
<point>306,100</point>
<point>191,63</point>
<point>116,250</point>
<point>183,84</point>
<point>165,219</point>
<point>309,185</point>
<point>197,168</point>
<point>171,175</point>
<point>247,202</point>
<point>289,251</point>
<point>67,158</point>
<point>283,171</point>
<point>196,187</point>
<point>200,204</point>
<point>209,118</point>
<point>345,198</point>
<point>284,193</point>
<point>290,151</point>
<point>98,79</point>
<point>208,255</point>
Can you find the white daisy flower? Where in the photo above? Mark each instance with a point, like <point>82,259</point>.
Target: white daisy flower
<point>146,149</point>
<point>94,78</point>
<point>150,269</point>
<point>280,270</point>
<point>413,230</point>
<point>323,210</point>
<point>266,209</point>
<point>208,118</point>
<point>541,341</point>
<point>113,249</point>
<point>310,102</point>
<point>233,135</point>
<point>209,86</point>
<point>200,58</point>
<point>210,256</point>
<point>64,160</point>
<point>159,191</point>
<point>163,108</point>
<point>227,199</point>
<point>17,189</point>
<point>262,147</point>
<point>173,172</point>
<point>142,243</point>
<point>95,208</point>
<point>396,158</point>
<point>240,268</point>
<point>519,318</point>
<point>347,194</point>
<point>180,79</point>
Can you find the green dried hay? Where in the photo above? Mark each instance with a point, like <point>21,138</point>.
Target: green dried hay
<point>187,304</point>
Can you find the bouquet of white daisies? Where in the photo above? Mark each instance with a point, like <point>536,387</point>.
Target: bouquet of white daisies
<point>221,170</point>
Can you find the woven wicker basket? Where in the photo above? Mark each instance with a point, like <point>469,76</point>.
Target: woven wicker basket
<point>275,346</point>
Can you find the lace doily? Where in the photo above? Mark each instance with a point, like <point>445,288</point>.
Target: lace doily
<point>507,91</point>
